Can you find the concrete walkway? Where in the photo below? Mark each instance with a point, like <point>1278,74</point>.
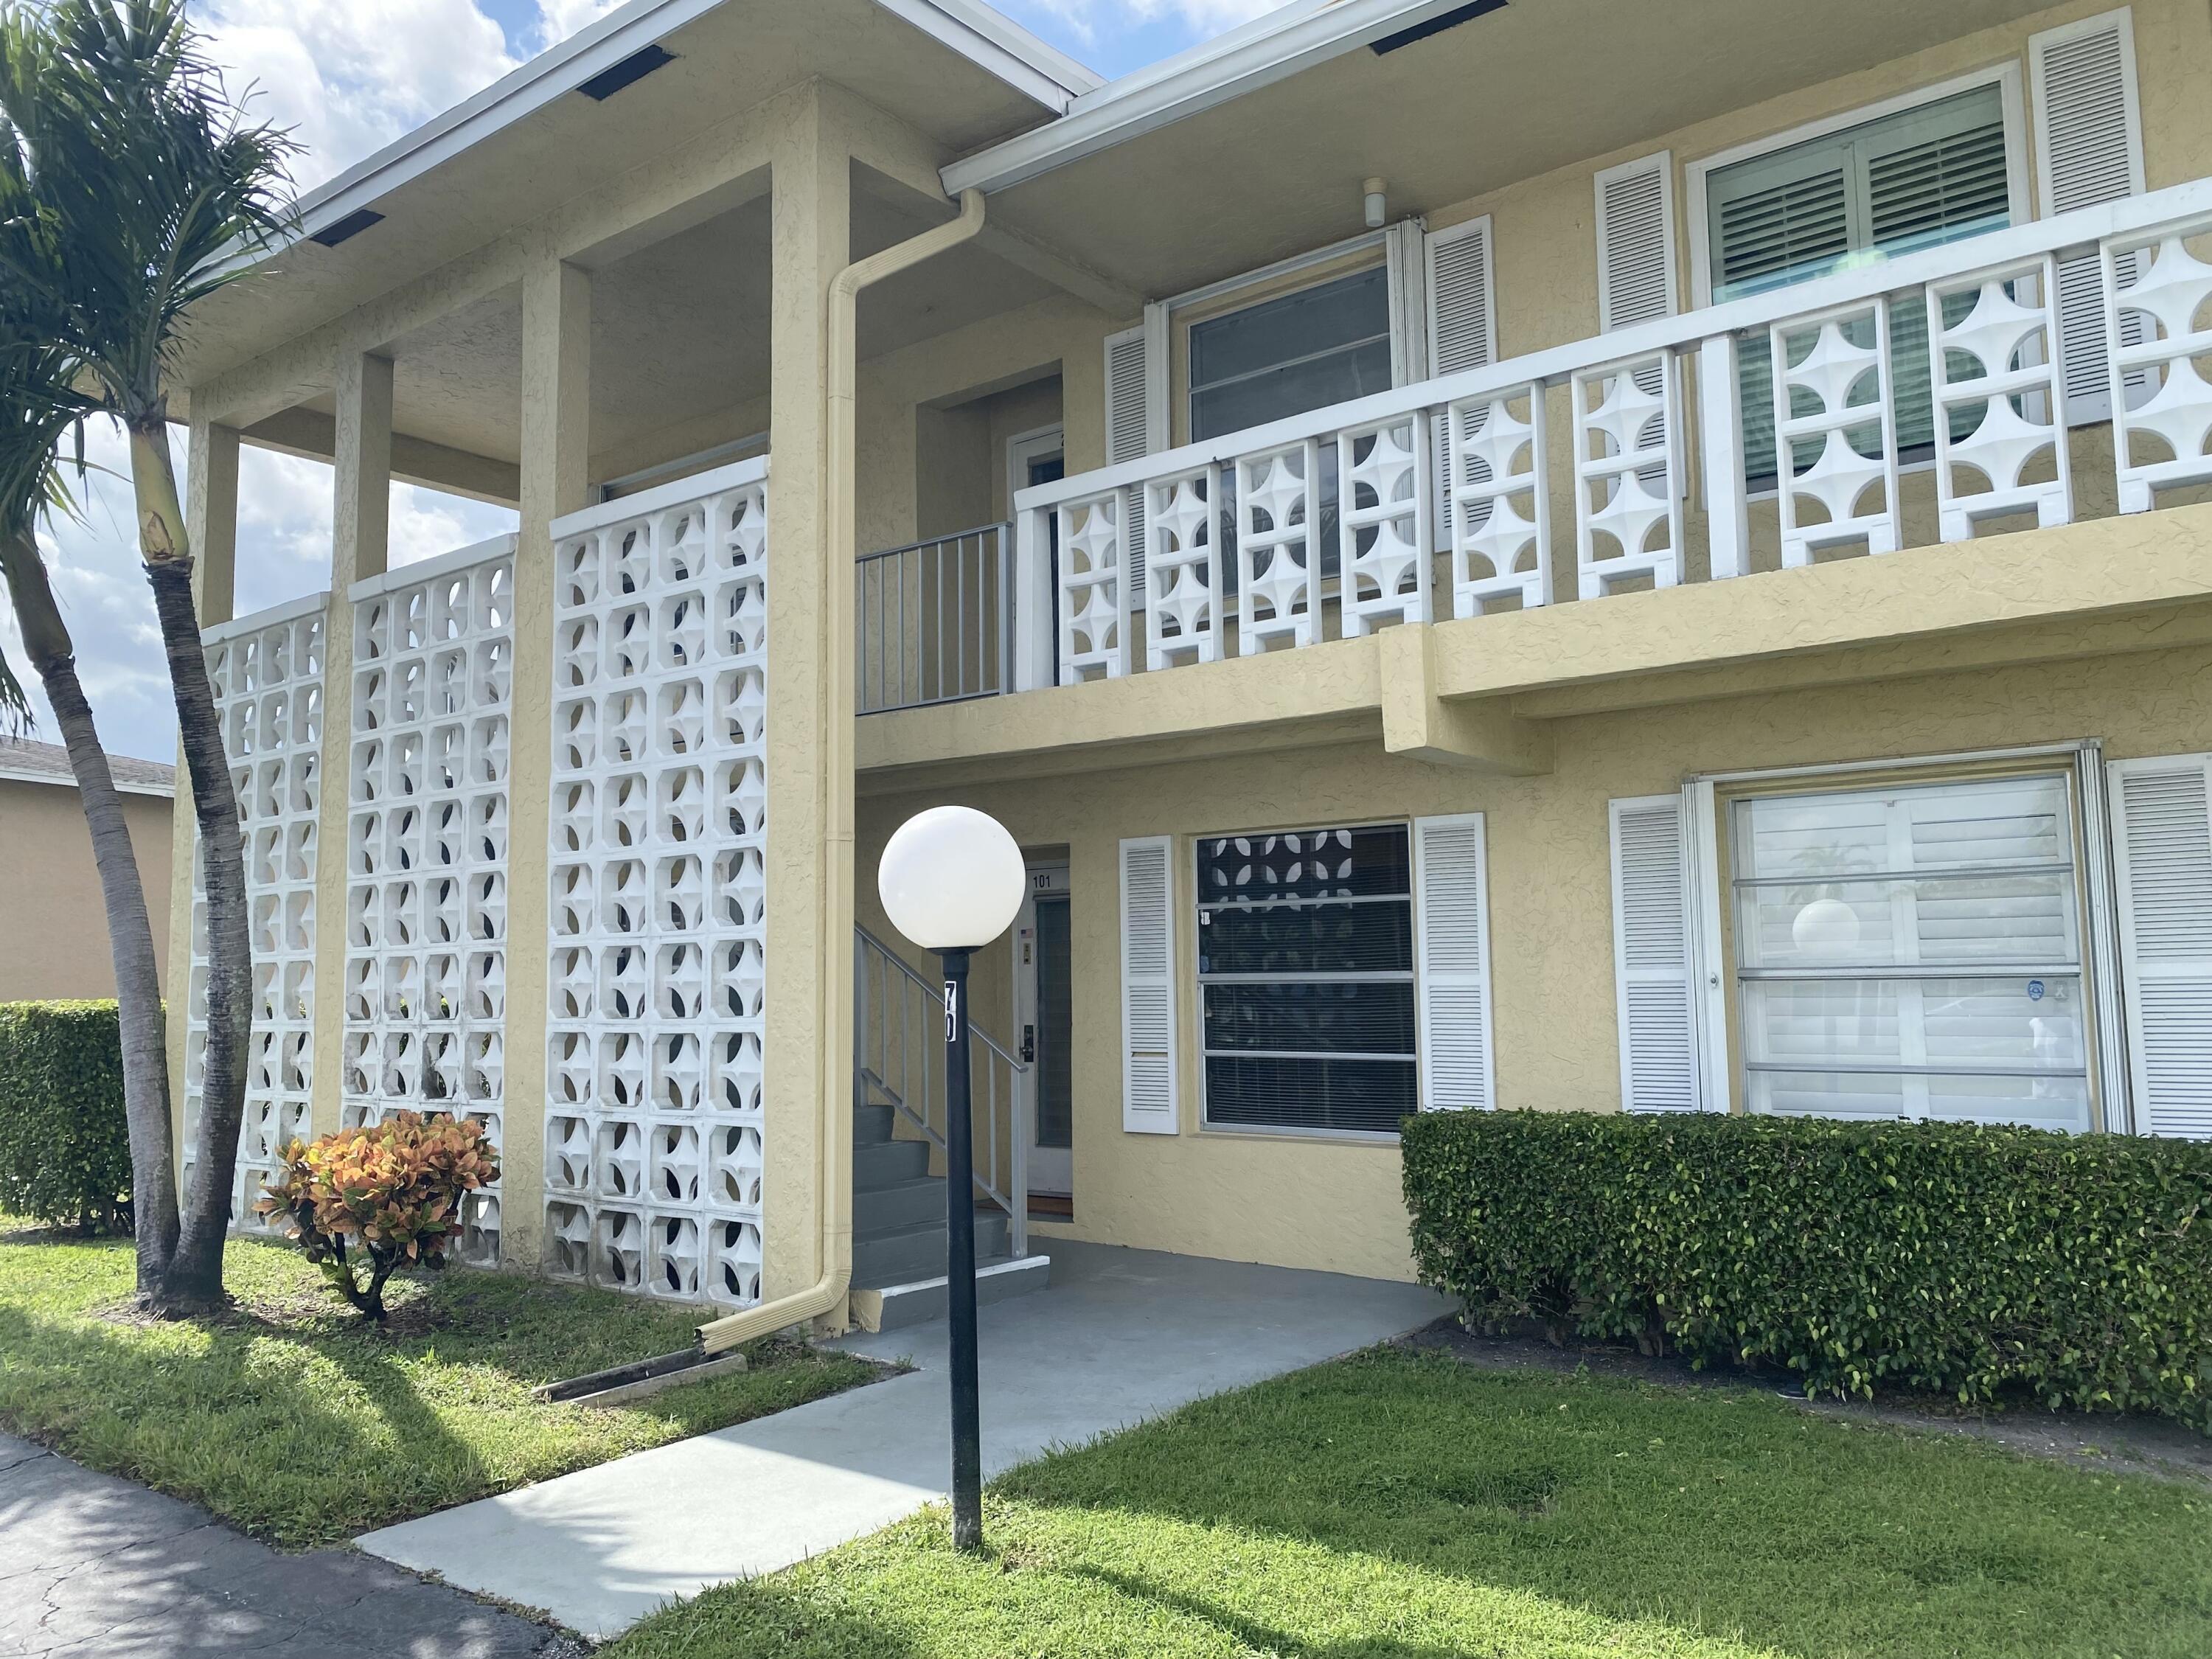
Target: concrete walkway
<point>1121,1335</point>
<point>92,1567</point>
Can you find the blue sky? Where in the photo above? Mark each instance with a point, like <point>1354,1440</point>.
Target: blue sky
<point>348,76</point>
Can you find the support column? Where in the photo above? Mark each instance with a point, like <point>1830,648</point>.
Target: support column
<point>556,399</point>
<point>360,523</point>
<point>211,522</point>
<point>811,220</point>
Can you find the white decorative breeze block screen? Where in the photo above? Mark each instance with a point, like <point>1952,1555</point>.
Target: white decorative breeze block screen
<point>1835,428</point>
<point>267,674</point>
<point>658,902</point>
<point>1499,501</point>
<point>2155,290</point>
<point>426,851</point>
<point>1996,368</point>
<point>1382,522</point>
<point>1628,497</point>
<point>1090,616</point>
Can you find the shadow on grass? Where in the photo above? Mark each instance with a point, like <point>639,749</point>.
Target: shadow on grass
<point>760,1616</point>
<point>1710,1512</point>
<point>1254,1637</point>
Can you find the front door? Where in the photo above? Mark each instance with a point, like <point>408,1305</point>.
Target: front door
<point>1043,1017</point>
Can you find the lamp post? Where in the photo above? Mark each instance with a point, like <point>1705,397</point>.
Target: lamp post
<point>952,881</point>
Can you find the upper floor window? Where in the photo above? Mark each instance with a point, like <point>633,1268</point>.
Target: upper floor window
<point>1931,174</point>
<point>1324,344</point>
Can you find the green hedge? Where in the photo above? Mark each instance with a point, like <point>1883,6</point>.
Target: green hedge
<point>1978,1263</point>
<point>65,1145</point>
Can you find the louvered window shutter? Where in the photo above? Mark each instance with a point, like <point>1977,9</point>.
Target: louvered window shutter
<point>2088,149</point>
<point>1462,327</point>
<point>1133,422</point>
<point>1148,1003</point>
<point>2162,854</point>
<point>1451,929</point>
<point>1635,242</point>
<point>1651,953</point>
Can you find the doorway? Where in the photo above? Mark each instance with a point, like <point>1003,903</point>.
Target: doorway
<point>1044,1021</point>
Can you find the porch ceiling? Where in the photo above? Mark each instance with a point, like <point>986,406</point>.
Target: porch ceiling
<point>1508,95</point>
<point>728,57</point>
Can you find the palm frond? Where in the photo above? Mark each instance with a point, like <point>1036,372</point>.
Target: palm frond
<point>137,167</point>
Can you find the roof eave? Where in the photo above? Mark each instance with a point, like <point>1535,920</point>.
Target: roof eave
<point>1243,61</point>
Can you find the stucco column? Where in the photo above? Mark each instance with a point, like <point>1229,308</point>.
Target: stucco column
<point>556,397</point>
<point>211,522</point>
<point>361,525</point>
<point>811,219</point>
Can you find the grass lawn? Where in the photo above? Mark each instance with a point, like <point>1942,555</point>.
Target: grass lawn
<point>1400,1505</point>
<point>295,1423</point>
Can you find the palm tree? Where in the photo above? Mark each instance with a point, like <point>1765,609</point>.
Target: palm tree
<point>151,192</point>
<point>37,408</point>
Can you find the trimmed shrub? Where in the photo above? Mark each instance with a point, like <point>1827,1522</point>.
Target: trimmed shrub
<point>363,1203</point>
<point>64,1142</point>
<point>1974,1262</point>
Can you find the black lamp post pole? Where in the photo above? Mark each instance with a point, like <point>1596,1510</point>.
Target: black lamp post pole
<point>960,1263</point>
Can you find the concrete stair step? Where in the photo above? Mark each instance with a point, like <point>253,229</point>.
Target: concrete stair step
<point>910,1203</point>
<point>872,1125</point>
<point>889,1163</point>
<point>893,1307</point>
<point>897,1256</point>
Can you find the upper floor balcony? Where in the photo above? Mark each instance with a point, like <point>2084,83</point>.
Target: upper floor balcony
<point>1920,446</point>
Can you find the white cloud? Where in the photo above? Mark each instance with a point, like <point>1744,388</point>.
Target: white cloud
<point>559,19</point>
<point>348,76</point>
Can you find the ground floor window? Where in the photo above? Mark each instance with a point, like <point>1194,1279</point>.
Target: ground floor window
<point>1305,968</point>
<point>1912,951</point>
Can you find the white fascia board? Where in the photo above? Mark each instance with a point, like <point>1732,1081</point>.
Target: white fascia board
<point>994,43</point>
<point>63,780</point>
<point>1267,49</point>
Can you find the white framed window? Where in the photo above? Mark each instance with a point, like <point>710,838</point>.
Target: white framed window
<point>1326,344</point>
<point>1937,165</point>
<point>1306,979</point>
<point>1912,949</point>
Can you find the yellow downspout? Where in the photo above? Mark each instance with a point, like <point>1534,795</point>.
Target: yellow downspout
<point>835,943</point>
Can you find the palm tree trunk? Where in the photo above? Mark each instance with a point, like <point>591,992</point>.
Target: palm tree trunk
<point>129,935</point>
<point>193,1280</point>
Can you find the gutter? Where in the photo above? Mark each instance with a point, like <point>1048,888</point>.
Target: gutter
<point>834,868</point>
<point>1271,49</point>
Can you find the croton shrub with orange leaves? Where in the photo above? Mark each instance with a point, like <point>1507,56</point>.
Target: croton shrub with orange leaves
<point>365,1202</point>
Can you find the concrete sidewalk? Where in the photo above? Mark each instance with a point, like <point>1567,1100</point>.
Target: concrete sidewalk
<point>1122,1335</point>
<point>92,1567</point>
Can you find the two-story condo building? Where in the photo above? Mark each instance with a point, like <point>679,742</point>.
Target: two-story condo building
<point>1566,554</point>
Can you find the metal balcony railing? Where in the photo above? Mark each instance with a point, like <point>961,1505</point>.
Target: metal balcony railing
<point>936,620</point>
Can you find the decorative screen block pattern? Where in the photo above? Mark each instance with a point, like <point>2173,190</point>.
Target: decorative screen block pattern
<point>1835,425</point>
<point>1628,497</point>
<point>267,675</point>
<point>658,902</point>
<point>1995,369</point>
<point>2156,289</point>
<point>426,856</point>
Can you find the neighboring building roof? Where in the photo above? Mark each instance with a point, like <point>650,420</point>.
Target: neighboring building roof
<point>24,761</point>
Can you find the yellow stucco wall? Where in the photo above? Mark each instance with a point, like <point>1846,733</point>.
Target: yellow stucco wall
<point>1316,1203</point>
<point>49,899</point>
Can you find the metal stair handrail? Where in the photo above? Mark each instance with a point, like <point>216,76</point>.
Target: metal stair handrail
<point>891,1068</point>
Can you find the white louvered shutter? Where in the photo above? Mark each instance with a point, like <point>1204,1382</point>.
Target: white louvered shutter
<point>2162,856</point>
<point>1129,436</point>
<point>2088,149</point>
<point>1148,1010</point>
<point>1651,955</point>
<point>1635,242</point>
<point>1463,329</point>
<point>1451,933</point>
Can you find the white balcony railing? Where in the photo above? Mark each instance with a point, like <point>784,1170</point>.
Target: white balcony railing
<point>1435,501</point>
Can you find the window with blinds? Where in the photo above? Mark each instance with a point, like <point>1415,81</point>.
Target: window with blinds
<point>1912,952</point>
<point>1924,176</point>
<point>1306,970</point>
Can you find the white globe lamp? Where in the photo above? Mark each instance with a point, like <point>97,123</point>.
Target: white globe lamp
<point>952,880</point>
